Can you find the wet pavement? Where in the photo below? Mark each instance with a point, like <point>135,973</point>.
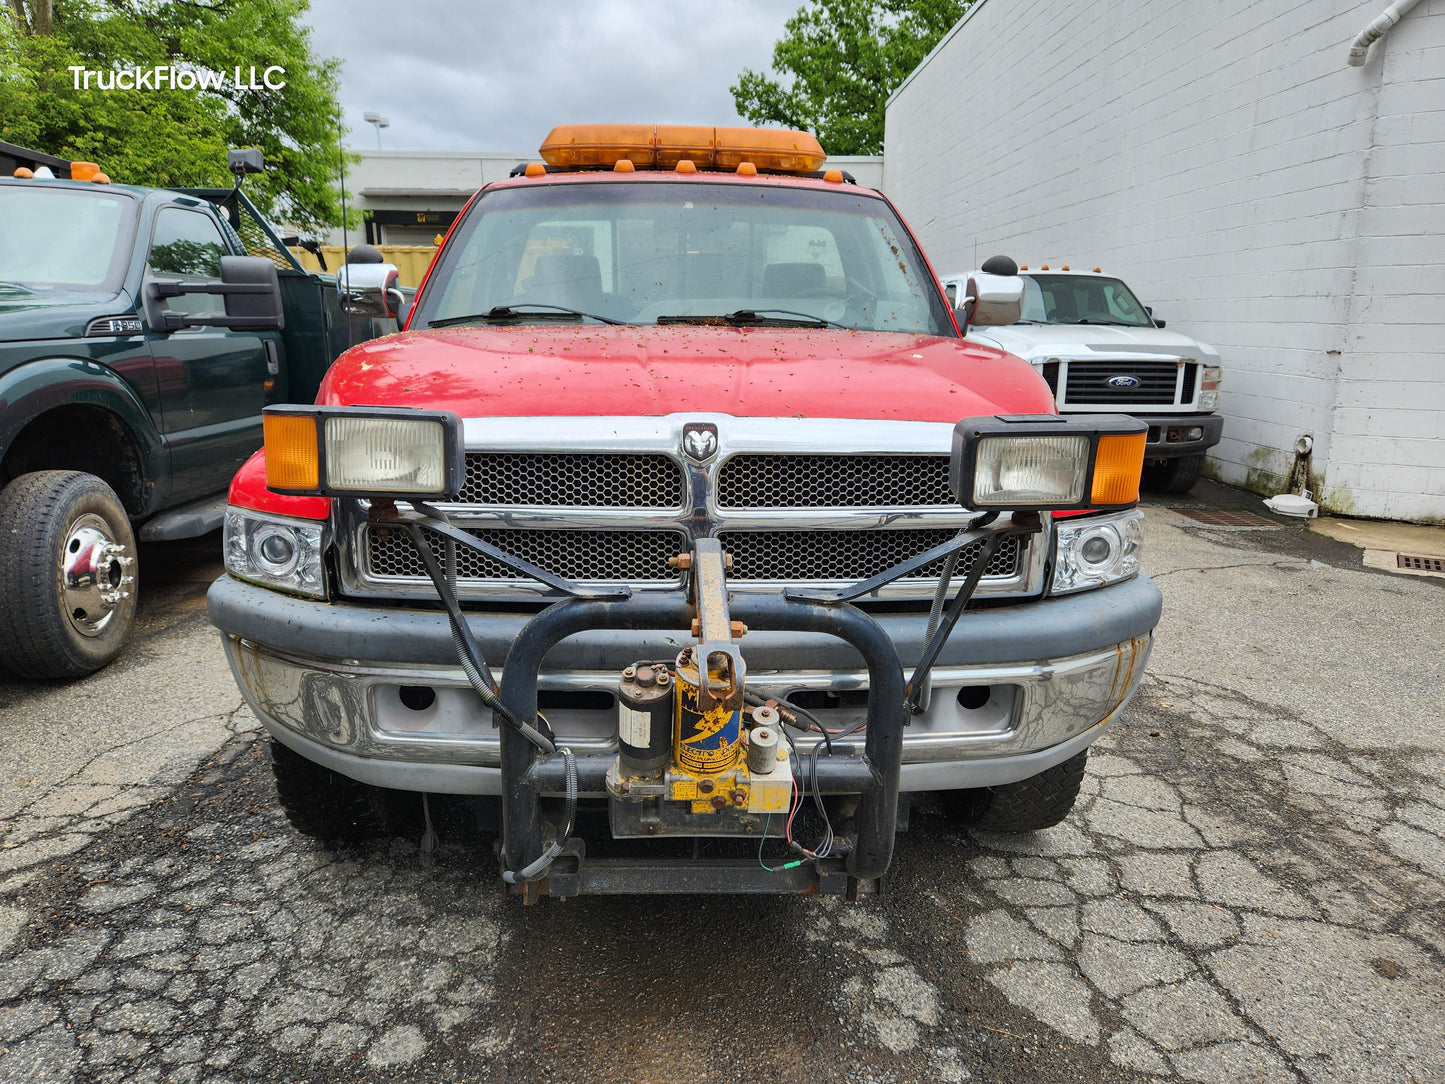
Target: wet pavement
<point>1250,887</point>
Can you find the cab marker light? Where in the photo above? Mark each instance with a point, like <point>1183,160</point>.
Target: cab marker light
<point>363,452</point>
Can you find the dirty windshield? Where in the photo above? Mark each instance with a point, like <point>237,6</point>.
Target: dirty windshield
<point>648,252</point>
<point>63,239</point>
<point>1081,299</point>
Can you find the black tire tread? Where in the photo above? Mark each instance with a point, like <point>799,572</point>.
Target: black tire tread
<point>320,803</point>
<point>34,639</point>
<point>1032,804</point>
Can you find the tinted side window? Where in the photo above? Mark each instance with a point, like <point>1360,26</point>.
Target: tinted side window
<point>188,245</point>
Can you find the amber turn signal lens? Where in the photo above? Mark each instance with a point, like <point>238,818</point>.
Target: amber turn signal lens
<point>291,451</point>
<point>1117,465</point>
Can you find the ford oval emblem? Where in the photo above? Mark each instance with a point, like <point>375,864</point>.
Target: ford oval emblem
<point>1123,381</point>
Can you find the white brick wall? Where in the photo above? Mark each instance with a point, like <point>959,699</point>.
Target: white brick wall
<point>1262,195</point>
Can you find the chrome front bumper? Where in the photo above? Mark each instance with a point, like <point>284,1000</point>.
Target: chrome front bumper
<point>421,728</point>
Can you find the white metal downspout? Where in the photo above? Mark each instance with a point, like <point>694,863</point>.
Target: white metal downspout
<point>1377,29</point>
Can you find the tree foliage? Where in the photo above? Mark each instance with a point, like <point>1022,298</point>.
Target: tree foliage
<point>837,64</point>
<point>175,137</point>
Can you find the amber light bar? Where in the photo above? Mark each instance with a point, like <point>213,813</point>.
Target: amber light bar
<point>363,452</point>
<point>1045,462</point>
<point>662,146</point>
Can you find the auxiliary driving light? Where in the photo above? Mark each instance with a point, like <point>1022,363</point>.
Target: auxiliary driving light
<point>363,452</point>
<point>1045,462</point>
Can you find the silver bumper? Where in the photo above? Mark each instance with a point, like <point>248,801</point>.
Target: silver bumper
<point>422,728</point>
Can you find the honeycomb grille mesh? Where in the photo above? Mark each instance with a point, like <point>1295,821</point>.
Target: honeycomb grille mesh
<point>849,555</point>
<point>614,556</point>
<point>574,480</point>
<point>833,481</point>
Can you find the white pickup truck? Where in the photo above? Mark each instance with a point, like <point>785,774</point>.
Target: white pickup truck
<point>1100,349</point>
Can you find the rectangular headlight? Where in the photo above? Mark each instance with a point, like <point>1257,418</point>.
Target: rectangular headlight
<point>1046,462</point>
<point>363,452</point>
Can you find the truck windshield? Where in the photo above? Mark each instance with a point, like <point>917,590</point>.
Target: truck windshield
<point>1080,299</point>
<point>647,252</point>
<point>63,239</point>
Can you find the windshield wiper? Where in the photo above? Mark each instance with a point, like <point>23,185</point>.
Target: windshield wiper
<point>16,286</point>
<point>757,317</point>
<point>1109,323</point>
<point>502,313</point>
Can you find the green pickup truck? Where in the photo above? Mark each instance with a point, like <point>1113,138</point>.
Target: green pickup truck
<point>142,330</point>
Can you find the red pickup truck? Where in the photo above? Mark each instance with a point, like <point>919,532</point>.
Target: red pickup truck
<point>683,437</point>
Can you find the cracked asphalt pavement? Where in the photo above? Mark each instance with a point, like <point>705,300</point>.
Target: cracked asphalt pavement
<point>1251,888</point>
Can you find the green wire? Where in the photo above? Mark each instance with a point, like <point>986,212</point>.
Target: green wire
<point>764,839</point>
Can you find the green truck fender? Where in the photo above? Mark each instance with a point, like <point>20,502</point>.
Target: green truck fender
<point>114,435</point>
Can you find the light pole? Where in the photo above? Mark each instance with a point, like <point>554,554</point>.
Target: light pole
<point>379,122</point>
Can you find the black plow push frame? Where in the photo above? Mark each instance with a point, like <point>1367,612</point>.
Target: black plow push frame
<point>529,774</point>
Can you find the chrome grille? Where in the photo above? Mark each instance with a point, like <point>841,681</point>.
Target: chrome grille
<point>613,556</point>
<point>573,480</point>
<point>1086,382</point>
<point>849,555</point>
<point>833,481</point>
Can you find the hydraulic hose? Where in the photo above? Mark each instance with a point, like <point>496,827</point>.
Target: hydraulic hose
<point>545,859</point>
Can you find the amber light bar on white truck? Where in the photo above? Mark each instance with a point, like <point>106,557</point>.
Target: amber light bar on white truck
<point>1045,462</point>
<point>363,452</point>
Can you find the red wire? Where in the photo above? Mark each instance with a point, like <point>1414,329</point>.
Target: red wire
<point>797,804</point>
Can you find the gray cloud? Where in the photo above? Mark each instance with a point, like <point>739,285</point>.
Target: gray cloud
<point>487,75</point>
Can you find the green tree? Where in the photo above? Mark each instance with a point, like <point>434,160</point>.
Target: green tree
<point>839,62</point>
<point>177,137</point>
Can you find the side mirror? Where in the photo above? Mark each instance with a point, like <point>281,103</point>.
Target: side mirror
<point>249,287</point>
<point>991,300</point>
<point>370,289</point>
<point>1158,320</point>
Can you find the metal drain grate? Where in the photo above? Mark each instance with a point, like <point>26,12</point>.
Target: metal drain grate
<point>1224,517</point>
<point>1420,564</point>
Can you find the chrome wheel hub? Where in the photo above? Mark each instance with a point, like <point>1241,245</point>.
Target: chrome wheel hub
<point>96,575</point>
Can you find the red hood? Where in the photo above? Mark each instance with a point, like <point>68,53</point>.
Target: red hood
<point>748,372</point>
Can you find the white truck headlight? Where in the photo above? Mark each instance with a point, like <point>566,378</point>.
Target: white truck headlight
<point>276,551</point>
<point>1097,551</point>
<point>363,452</point>
<point>1212,377</point>
<point>1046,462</point>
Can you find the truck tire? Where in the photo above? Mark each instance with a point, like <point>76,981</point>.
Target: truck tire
<point>67,574</point>
<point>334,808</point>
<point>1174,475</point>
<point>318,802</point>
<point>1041,801</point>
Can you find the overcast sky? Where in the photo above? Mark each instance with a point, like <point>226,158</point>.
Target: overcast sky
<point>492,76</point>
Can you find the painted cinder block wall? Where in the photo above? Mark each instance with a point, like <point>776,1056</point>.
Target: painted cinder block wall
<point>1258,192</point>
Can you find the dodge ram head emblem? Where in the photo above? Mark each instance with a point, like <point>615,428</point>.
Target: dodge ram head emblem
<point>1123,381</point>
<point>699,440</point>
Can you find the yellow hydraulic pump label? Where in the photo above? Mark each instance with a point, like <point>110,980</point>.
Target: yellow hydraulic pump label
<point>704,741</point>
